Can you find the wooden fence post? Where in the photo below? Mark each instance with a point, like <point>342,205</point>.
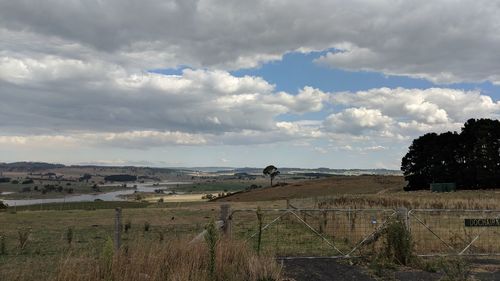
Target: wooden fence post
<point>118,228</point>
<point>225,217</point>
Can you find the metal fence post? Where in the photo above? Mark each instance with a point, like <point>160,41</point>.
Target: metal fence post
<point>118,228</point>
<point>225,217</point>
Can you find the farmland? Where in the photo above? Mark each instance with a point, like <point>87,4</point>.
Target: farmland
<point>60,233</point>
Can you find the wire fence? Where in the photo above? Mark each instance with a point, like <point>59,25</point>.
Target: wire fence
<point>343,233</point>
<point>52,233</point>
<point>311,232</point>
<point>455,232</point>
<point>290,232</point>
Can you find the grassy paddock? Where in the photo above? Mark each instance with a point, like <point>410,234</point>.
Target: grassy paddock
<point>49,254</point>
<point>145,259</point>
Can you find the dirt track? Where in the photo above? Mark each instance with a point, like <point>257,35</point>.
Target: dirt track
<point>331,269</point>
<point>322,269</point>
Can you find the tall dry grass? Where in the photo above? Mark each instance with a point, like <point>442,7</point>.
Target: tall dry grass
<point>172,261</point>
<point>416,200</point>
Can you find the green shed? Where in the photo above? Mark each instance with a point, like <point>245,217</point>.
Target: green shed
<point>443,187</point>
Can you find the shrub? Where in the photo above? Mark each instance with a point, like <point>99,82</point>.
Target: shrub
<point>260,219</point>
<point>106,258</point>
<point>2,179</point>
<point>23,236</point>
<point>3,248</point>
<point>127,226</point>
<point>211,238</point>
<point>69,235</point>
<point>399,244</point>
<point>120,178</point>
<point>3,205</point>
<point>27,181</point>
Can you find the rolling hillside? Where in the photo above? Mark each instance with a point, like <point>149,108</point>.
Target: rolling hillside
<point>368,184</point>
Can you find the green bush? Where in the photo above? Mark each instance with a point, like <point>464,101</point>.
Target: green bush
<point>23,236</point>
<point>106,258</point>
<point>398,244</point>
<point>211,238</point>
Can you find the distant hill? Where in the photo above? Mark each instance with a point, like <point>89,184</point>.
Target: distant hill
<point>28,166</point>
<point>302,171</point>
<point>41,166</point>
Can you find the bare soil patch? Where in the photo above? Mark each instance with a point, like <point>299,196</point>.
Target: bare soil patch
<point>322,269</point>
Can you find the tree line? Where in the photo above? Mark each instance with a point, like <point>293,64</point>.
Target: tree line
<point>471,158</point>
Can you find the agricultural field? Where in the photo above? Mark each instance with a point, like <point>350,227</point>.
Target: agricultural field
<point>42,242</point>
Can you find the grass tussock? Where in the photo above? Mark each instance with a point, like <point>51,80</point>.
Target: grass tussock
<point>173,261</point>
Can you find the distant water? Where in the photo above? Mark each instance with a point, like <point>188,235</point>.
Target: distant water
<point>108,196</point>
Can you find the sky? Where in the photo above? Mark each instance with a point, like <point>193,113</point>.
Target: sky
<point>338,84</point>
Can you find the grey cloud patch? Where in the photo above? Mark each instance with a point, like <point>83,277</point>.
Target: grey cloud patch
<point>60,95</point>
<point>146,139</point>
<point>442,41</point>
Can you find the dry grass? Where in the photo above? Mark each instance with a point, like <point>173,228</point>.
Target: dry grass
<point>175,261</point>
<point>471,200</point>
<point>335,185</point>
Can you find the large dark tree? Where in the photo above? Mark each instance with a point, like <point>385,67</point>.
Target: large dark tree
<point>470,159</point>
<point>431,158</point>
<point>480,151</point>
<point>271,171</point>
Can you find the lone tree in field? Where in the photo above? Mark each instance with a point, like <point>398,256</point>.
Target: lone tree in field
<point>272,172</point>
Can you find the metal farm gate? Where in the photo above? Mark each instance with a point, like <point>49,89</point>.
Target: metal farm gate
<point>455,232</point>
<point>311,232</point>
<point>344,233</point>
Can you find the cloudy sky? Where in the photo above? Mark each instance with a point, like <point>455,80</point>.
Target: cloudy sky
<point>340,84</point>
